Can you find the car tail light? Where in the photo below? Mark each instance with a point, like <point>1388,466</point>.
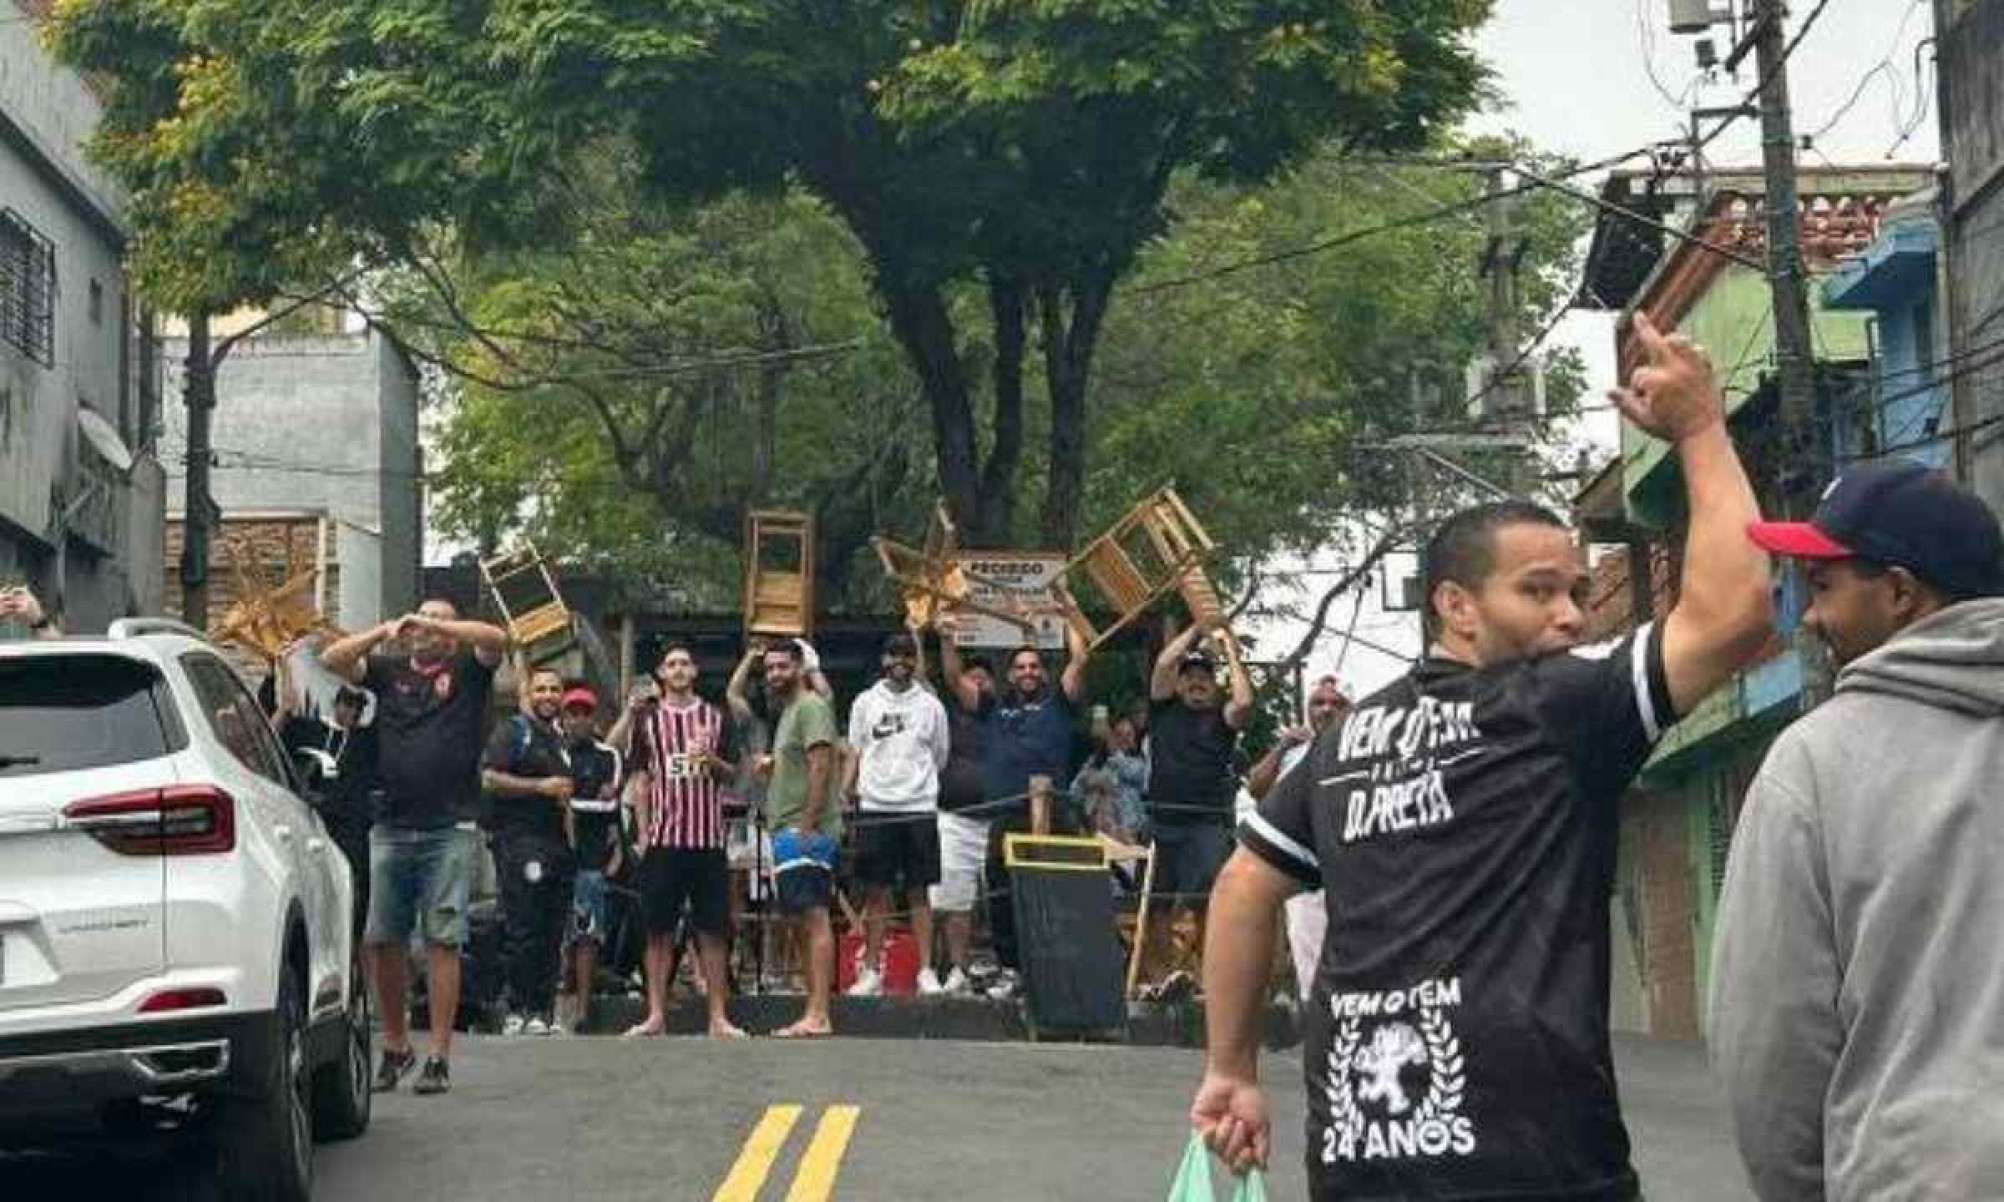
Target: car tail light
<point>176,820</point>
<point>181,999</point>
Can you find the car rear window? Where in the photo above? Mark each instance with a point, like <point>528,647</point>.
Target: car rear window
<point>60,713</point>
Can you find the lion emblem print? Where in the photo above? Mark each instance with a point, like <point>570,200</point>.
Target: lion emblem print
<point>1397,1077</point>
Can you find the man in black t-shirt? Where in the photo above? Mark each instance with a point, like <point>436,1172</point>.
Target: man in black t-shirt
<point>527,775</point>
<point>1463,822</point>
<point>431,708</point>
<point>1192,735</point>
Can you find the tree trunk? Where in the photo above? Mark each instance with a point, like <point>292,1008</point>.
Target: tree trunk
<point>198,393</point>
<point>1068,351</point>
<point>1007,301</point>
<point>922,325</point>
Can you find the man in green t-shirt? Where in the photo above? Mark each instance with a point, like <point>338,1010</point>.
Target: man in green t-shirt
<point>805,824</point>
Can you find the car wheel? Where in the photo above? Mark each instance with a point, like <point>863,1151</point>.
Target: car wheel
<point>342,1093</point>
<point>265,1136</point>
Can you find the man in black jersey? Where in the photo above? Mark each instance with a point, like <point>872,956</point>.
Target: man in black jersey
<point>1463,822</point>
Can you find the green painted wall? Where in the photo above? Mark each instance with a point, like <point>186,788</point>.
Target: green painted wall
<point>1733,321</point>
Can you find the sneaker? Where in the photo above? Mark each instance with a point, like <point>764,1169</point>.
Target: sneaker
<point>536,1025</point>
<point>957,983</point>
<point>869,983</point>
<point>513,1025</point>
<point>395,1066</point>
<point>1004,987</point>
<point>436,1077</point>
<point>928,983</point>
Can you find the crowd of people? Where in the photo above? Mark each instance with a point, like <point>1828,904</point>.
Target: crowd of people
<point>683,808</point>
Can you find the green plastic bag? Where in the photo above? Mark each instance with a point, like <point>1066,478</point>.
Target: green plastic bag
<point>1193,1178</point>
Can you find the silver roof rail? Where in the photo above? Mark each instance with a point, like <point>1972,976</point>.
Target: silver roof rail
<point>131,628</point>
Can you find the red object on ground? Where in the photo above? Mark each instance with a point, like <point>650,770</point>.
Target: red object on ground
<point>901,961</point>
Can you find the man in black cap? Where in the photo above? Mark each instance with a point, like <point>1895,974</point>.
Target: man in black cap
<point>1857,997</point>
<point>1192,736</point>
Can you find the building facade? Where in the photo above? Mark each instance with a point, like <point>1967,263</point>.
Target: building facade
<point>1969,52</point>
<point>81,490</point>
<point>322,429</point>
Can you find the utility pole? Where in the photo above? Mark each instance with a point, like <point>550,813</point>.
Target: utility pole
<point>198,392</point>
<point>1506,400</point>
<point>1786,279</point>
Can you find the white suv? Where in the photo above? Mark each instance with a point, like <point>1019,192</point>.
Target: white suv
<point>174,919</point>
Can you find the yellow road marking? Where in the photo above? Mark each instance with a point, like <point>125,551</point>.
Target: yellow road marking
<point>815,1182</point>
<point>761,1149</point>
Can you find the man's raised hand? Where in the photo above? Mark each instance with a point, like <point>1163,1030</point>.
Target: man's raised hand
<point>1674,394</point>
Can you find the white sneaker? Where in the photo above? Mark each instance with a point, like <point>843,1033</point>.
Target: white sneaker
<point>928,983</point>
<point>956,982</point>
<point>1005,986</point>
<point>869,983</point>
<point>513,1024</point>
<point>536,1026</point>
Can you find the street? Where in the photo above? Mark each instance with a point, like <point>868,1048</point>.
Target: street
<point>605,1119</point>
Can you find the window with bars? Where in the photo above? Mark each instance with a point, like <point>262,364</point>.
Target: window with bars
<point>27,289</point>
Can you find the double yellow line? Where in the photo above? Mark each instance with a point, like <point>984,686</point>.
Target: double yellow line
<point>815,1179</point>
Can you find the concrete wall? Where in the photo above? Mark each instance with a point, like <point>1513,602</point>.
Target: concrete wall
<point>109,566</point>
<point>358,603</point>
<point>327,423</point>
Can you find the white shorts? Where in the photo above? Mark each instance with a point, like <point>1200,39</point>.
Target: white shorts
<point>743,856</point>
<point>963,854</point>
<point>1307,921</point>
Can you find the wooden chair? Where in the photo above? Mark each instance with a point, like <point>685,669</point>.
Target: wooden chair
<point>779,573</point>
<point>532,609</point>
<point>1148,554</point>
<point>931,579</point>
<point>268,620</point>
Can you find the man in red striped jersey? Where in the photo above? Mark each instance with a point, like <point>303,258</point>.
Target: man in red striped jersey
<point>682,751</point>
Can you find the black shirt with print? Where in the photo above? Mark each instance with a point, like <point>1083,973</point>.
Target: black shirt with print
<point>428,724</point>
<point>1464,824</point>
<point>523,747</point>
<point>596,776</point>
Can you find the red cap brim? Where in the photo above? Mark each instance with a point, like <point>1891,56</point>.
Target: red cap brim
<point>1797,540</point>
<point>580,699</point>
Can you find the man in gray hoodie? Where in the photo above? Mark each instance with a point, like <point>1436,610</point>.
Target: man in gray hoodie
<point>1857,991</point>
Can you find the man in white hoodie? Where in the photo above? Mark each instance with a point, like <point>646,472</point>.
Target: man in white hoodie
<point>1857,993</point>
<point>898,743</point>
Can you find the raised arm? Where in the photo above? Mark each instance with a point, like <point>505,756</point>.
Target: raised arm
<point>489,642</point>
<point>1239,704</point>
<point>737,694</point>
<point>951,669</point>
<point>1072,679</point>
<point>1725,608</point>
<point>1260,781</point>
<point>1162,681</point>
<point>810,668</point>
<point>620,737</point>
<point>348,657</point>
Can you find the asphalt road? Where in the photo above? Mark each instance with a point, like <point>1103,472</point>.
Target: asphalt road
<point>584,1120</point>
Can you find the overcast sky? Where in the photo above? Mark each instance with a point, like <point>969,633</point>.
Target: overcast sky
<point>1575,73</point>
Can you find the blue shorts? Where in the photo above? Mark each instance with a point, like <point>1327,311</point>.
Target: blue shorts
<point>588,919</point>
<point>420,880</point>
<point>803,873</point>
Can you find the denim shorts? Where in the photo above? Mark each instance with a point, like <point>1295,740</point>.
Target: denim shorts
<point>420,880</point>
<point>588,918</point>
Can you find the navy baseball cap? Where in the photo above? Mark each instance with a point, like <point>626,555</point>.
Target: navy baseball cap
<point>1903,514</point>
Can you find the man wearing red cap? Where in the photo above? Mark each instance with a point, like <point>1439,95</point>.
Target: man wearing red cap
<point>1857,994</point>
<point>597,844</point>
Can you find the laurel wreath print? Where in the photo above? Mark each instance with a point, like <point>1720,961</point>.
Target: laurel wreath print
<point>1449,1076</point>
<point>1344,1117</point>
